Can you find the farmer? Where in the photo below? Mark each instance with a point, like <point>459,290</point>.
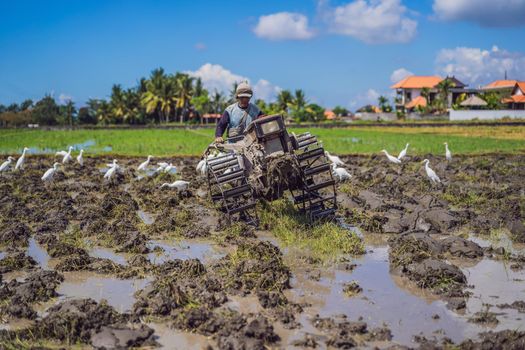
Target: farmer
<point>238,115</point>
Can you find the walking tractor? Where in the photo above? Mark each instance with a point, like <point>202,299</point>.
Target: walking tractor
<point>266,162</point>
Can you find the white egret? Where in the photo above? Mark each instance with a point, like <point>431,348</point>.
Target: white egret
<point>341,173</point>
<point>67,157</point>
<point>143,166</point>
<point>431,173</point>
<point>20,162</point>
<point>448,155</point>
<point>180,185</point>
<point>334,159</point>
<point>161,167</point>
<point>80,159</point>
<point>112,164</point>
<point>63,153</point>
<point>391,158</point>
<point>112,170</point>
<point>201,167</point>
<point>48,175</point>
<point>403,153</point>
<point>6,164</point>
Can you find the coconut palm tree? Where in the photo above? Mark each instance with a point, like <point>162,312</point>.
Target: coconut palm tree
<point>160,95</point>
<point>444,88</point>
<point>104,114</point>
<point>184,84</point>
<point>117,102</point>
<point>284,99</point>
<point>218,101</point>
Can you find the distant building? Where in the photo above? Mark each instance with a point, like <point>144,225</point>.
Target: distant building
<point>517,96</point>
<point>329,115</point>
<point>500,86</point>
<point>211,118</point>
<point>409,91</point>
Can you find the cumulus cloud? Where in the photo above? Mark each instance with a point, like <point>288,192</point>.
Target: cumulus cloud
<point>216,77</point>
<point>371,21</point>
<point>283,26</point>
<point>368,97</point>
<point>489,13</point>
<point>265,90</point>
<point>400,74</point>
<point>479,67</point>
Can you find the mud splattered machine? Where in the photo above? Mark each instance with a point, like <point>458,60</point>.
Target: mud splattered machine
<point>266,162</point>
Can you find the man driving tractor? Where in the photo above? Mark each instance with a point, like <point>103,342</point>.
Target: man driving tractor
<point>237,115</point>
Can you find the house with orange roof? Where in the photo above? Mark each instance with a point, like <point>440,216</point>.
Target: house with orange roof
<point>409,91</point>
<point>517,96</point>
<point>500,85</point>
<point>329,114</point>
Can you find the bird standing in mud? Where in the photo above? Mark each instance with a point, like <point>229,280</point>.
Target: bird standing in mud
<point>144,166</point>
<point>170,168</point>
<point>341,173</point>
<point>334,159</point>
<point>403,153</point>
<point>67,157</point>
<point>5,165</point>
<point>180,185</point>
<point>48,175</point>
<point>63,153</point>
<point>20,162</point>
<point>80,159</point>
<point>391,158</point>
<point>431,173</point>
<point>112,170</point>
<point>448,155</point>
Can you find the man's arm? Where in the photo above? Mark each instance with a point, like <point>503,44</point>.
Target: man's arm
<point>222,124</point>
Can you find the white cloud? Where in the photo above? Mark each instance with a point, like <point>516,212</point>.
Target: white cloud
<point>400,74</point>
<point>265,90</point>
<point>64,99</point>
<point>371,21</point>
<point>216,77</point>
<point>479,67</point>
<point>489,13</point>
<point>368,97</point>
<point>283,26</point>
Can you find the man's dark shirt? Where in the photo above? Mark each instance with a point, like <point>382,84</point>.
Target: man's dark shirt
<point>223,123</point>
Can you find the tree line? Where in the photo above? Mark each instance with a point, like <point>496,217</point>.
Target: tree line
<point>161,98</point>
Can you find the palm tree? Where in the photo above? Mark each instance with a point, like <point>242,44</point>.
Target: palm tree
<point>118,104</point>
<point>444,88</point>
<point>218,100</point>
<point>233,93</point>
<point>284,99</point>
<point>104,114</point>
<point>184,85</point>
<point>383,103</point>
<point>160,95</point>
<point>198,89</point>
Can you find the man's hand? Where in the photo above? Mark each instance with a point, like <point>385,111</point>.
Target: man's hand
<point>219,139</point>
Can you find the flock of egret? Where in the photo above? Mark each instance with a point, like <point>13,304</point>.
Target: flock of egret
<point>336,163</point>
<point>113,167</point>
<point>430,173</point>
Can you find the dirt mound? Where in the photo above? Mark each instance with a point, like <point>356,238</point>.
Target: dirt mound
<point>504,340</point>
<point>16,261</point>
<point>37,287</point>
<point>14,233</point>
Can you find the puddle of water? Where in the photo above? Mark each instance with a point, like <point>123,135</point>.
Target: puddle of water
<point>106,253</point>
<point>406,309</point>
<point>2,255</point>
<point>183,250</point>
<point>76,147</point>
<point>118,293</point>
<point>37,252</point>
<point>146,218</point>
<point>244,305</point>
<point>353,229</point>
<point>502,240</point>
<point>170,338</point>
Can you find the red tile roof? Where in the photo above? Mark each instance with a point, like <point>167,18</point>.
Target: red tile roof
<point>500,84</point>
<point>417,82</point>
<point>514,99</point>
<point>418,101</point>
<point>329,114</point>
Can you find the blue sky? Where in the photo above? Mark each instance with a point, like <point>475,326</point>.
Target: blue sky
<point>339,52</point>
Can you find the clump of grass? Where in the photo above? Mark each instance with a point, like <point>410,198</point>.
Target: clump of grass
<point>352,288</point>
<point>73,236</point>
<point>324,240</point>
<point>349,189</point>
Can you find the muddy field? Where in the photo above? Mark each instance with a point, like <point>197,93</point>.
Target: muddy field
<point>88,264</point>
